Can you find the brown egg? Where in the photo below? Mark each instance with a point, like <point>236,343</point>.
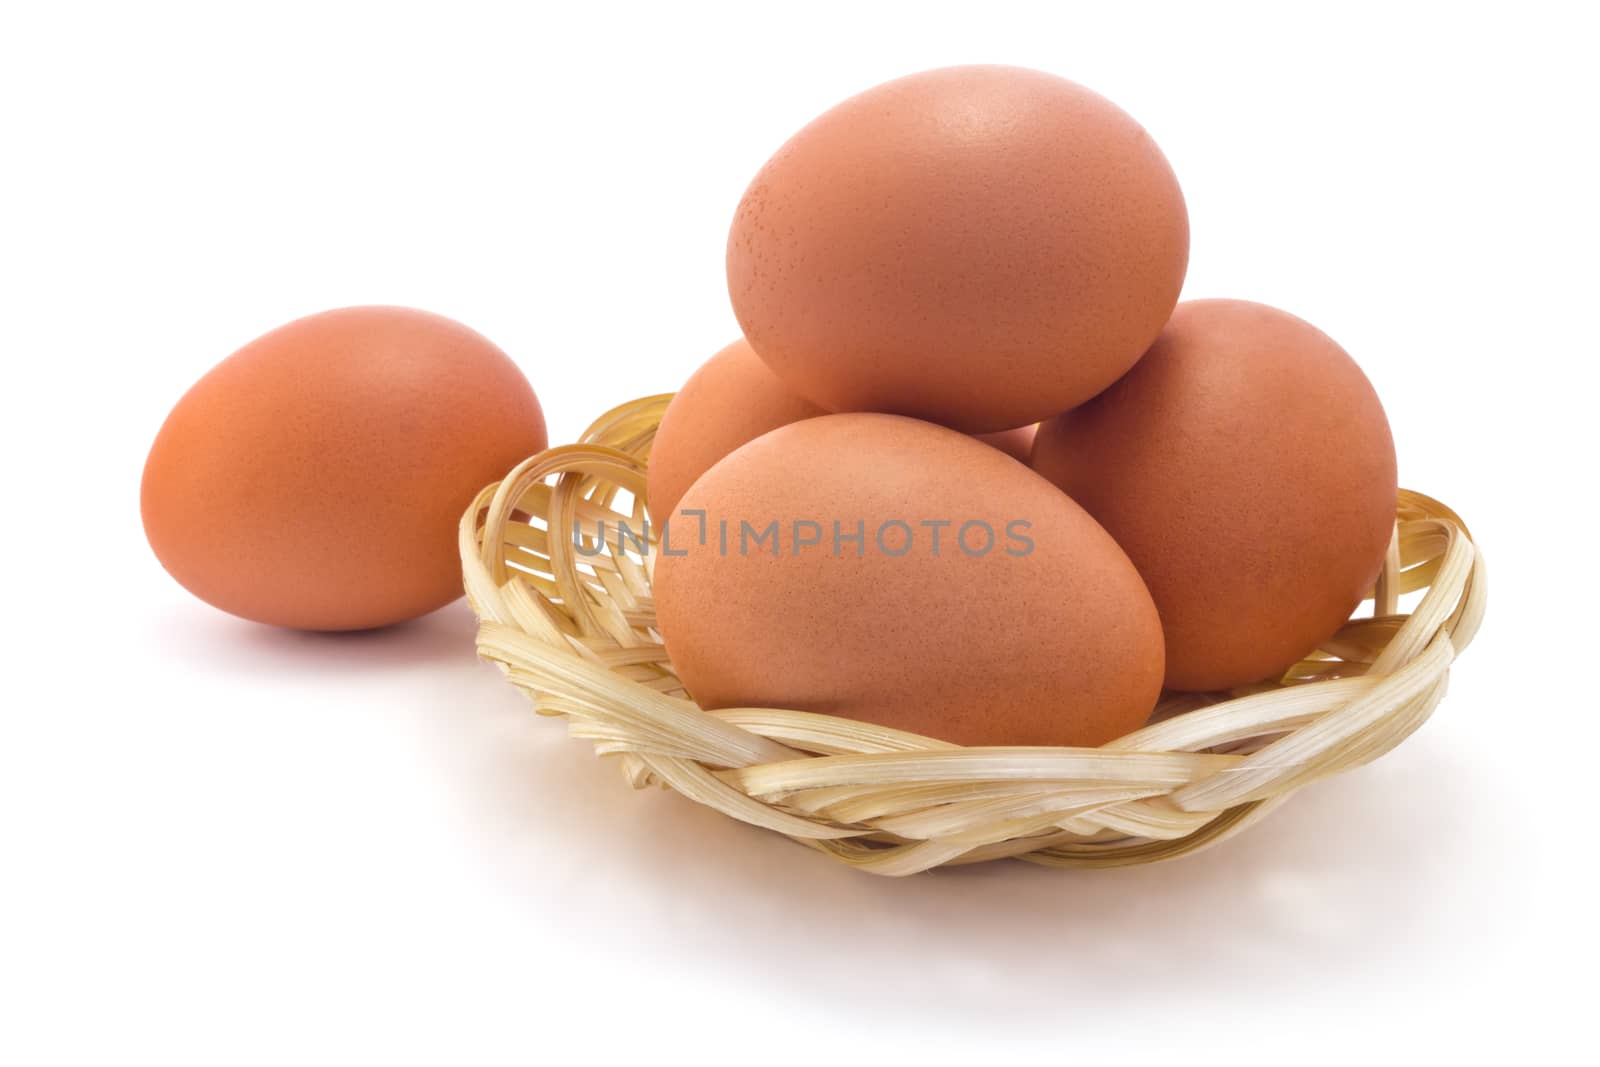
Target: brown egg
<point>894,571</point>
<point>734,398</point>
<point>980,246</point>
<point>731,399</point>
<point>314,479</point>
<point>1246,467</point>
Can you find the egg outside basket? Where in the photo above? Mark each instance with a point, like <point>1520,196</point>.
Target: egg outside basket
<point>575,632</point>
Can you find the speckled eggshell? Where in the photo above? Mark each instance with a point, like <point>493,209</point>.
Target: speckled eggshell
<point>733,398</point>
<point>314,479</point>
<point>1056,643</point>
<point>1245,465</point>
<point>980,246</point>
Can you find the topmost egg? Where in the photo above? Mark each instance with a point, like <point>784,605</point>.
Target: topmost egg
<point>979,246</point>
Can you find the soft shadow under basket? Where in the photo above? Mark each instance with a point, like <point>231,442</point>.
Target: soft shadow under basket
<point>576,633</point>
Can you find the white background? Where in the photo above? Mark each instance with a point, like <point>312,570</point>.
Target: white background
<point>226,844</point>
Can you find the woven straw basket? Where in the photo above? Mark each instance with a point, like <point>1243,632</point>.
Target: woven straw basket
<point>576,633</point>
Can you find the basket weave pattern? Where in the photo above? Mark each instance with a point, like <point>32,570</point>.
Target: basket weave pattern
<point>575,632</point>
